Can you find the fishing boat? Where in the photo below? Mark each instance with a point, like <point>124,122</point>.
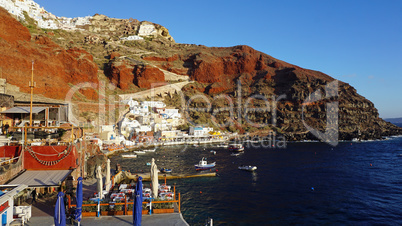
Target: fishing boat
<point>235,154</point>
<point>236,147</point>
<point>129,156</point>
<point>203,165</point>
<point>247,168</point>
<point>165,170</point>
<point>139,152</point>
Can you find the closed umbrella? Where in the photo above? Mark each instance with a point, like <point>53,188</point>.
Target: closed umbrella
<point>99,180</point>
<point>78,213</point>
<point>107,180</point>
<point>59,211</point>
<point>154,178</point>
<point>137,208</point>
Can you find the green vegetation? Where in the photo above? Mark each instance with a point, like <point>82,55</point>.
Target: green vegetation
<point>30,23</point>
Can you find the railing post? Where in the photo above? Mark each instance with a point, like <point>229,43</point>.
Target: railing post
<point>179,203</point>
<point>125,205</point>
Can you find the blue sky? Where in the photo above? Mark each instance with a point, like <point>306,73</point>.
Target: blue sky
<point>358,42</point>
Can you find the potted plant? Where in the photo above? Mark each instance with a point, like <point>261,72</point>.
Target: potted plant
<point>145,209</point>
<point>162,207</point>
<point>88,211</point>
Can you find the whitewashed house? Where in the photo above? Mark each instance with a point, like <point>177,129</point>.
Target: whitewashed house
<point>143,128</point>
<point>172,113</point>
<point>200,131</point>
<point>147,30</point>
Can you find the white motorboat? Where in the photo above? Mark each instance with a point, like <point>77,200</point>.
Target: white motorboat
<point>129,156</point>
<point>248,168</point>
<point>203,165</point>
<point>222,145</point>
<point>139,152</point>
<point>150,150</point>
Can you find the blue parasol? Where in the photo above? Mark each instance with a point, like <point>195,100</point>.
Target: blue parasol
<point>59,211</point>
<point>137,208</point>
<point>78,211</point>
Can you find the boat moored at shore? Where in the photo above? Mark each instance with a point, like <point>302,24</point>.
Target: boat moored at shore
<point>203,165</point>
<point>129,156</point>
<point>165,170</point>
<point>236,147</point>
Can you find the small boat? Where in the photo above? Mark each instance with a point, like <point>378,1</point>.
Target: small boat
<point>150,150</point>
<point>213,152</point>
<point>236,147</point>
<point>129,156</point>
<point>164,170</point>
<point>235,154</point>
<point>203,165</point>
<point>248,168</point>
<point>148,163</point>
<point>139,152</point>
<point>222,145</point>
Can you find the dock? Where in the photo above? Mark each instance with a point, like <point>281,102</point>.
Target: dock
<point>147,177</point>
<point>123,175</point>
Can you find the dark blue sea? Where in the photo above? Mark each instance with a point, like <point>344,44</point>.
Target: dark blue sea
<point>357,183</point>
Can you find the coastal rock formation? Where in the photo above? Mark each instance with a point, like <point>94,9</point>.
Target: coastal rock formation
<point>54,67</point>
<point>250,78</point>
<point>243,72</point>
<point>125,72</point>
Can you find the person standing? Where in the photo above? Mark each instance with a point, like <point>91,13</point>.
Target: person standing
<point>6,126</point>
<point>33,196</point>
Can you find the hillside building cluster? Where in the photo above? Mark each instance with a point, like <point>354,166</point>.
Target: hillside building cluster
<point>44,19</point>
<point>47,20</point>
<point>151,122</point>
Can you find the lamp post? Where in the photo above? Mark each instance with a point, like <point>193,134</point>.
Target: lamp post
<point>31,85</point>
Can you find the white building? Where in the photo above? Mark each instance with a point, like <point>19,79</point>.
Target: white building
<point>199,131</point>
<point>161,127</point>
<point>172,113</point>
<point>143,128</point>
<point>147,30</point>
<point>132,38</point>
<point>128,125</point>
<point>152,104</point>
<point>41,16</point>
<point>7,203</point>
<point>105,128</point>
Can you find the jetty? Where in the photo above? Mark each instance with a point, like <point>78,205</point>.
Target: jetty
<point>124,175</point>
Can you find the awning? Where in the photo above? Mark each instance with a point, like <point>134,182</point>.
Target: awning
<point>24,110</point>
<point>42,178</point>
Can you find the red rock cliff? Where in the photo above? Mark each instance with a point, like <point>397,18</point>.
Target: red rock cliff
<point>54,67</point>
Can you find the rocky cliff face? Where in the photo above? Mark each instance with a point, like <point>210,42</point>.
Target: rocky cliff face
<point>54,67</point>
<point>67,58</point>
<point>105,29</point>
<point>221,70</point>
<point>124,72</point>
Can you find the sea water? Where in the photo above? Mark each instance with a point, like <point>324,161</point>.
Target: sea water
<point>357,183</point>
